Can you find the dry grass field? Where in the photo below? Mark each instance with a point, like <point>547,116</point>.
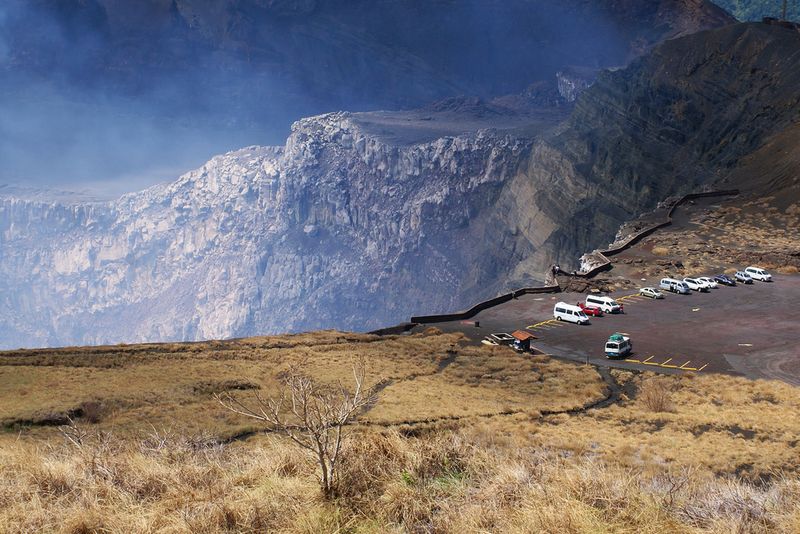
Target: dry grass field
<point>462,439</point>
<point>425,376</point>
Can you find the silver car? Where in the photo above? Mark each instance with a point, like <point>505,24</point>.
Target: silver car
<point>757,273</point>
<point>651,292</point>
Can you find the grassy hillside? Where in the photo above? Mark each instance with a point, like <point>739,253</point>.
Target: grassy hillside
<point>128,387</point>
<point>755,10</point>
<point>462,439</point>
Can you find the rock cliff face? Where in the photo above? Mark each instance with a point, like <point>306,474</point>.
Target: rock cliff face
<point>686,115</point>
<point>335,229</point>
<point>358,221</point>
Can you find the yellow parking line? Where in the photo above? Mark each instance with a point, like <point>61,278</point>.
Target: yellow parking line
<point>666,364</point>
<point>545,325</point>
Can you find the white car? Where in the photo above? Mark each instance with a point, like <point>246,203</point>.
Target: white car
<point>709,281</point>
<point>696,285</point>
<point>651,292</point>
<point>757,273</point>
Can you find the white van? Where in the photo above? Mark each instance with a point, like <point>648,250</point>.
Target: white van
<point>757,273</point>
<point>567,312</point>
<point>676,286</point>
<point>607,304</point>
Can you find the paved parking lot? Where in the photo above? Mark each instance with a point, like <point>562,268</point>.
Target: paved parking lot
<point>748,330</point>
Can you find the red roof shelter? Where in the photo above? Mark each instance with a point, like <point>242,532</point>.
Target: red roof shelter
<point>523,339</point>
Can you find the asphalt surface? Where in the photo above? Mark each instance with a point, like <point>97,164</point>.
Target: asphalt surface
<point>749,330</point>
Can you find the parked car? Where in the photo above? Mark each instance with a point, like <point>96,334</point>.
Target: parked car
<point>651,292</point>
<point>607,304</point>
<point>567,312</point>
<point>618,345</point>
<point>593,311</point>
<point>676,286</point>
<point>757,273</point>
<point>724,279</point>
<point>696,285</point>
<point>708,281</point>
<point>743,277</point>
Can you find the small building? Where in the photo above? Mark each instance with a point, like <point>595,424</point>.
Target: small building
<point>522,340</point>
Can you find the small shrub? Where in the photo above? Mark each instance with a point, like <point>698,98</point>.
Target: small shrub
<point>540,358</point>
<point>84,522</point>
<point>660,251</point>
<point>91,411</point>
<point>656,396</point>
<point>788,269</point>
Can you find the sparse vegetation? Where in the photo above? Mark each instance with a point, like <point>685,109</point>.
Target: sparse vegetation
<point>656,395</point>
<point>738,232</point>
<point>660,251</point>
<point>464,439</point>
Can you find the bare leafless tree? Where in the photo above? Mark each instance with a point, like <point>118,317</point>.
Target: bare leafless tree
<point>312,415</point>
<point>95,447</point>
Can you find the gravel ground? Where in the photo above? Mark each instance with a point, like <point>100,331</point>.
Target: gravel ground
<point>745,330</point>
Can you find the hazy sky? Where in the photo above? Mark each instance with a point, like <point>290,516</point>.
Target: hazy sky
<point>115,95</point>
